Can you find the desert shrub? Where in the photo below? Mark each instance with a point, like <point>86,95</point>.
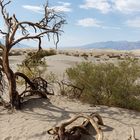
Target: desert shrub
<point>34,65</point>
<point>42,53</point>
<point>76,54</point>
<point>32,72</point>
<point>50,52</point>
<point>108,83</point>
<point>67,53</point>
<point>35,58</point>
<point>50,77</point>
<point>85,55</point>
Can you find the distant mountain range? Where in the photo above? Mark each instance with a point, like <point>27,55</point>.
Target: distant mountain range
<point>19,45</point>
<point>117,45</point>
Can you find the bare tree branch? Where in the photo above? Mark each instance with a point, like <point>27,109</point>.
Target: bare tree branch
<point>17,31</point>
<point>2,32</point>
<point>2,46</point>
<point>3,11</point>
<point>49,24</point>
<point>32,37</point>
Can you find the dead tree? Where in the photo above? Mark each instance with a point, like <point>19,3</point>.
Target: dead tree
<point>50,23</point>
<point>77,132</point>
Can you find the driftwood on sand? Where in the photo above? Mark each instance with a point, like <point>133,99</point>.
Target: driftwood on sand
<point>83,131</point>
<point>80,131</point>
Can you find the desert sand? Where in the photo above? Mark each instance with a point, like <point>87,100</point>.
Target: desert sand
<point>38,115</point>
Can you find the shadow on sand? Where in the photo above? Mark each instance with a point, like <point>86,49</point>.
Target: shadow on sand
<point>44,110</point>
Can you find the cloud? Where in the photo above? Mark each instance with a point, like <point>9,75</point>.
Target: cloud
<point>63,7</point>
<point>36,9</point>
<point>111,27</point>
<point>127,6</point>
<point>92,22</point>
<point>134,22</point>
<point>103,5</point>
<point>89,22</point>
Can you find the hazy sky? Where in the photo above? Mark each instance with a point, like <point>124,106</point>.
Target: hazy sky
<point>88,20</point>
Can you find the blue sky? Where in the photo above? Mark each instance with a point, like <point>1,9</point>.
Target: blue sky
<point>88,21</point>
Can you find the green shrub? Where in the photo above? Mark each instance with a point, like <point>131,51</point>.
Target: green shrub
<point>33,66</point>
<point>108,83</point>
<point>42,53</point>
<point>51,52</point>
<point>84,55</point>
<point>35,58</point>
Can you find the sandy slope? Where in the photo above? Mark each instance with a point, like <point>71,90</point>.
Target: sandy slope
<point>58,63</point>
<point>38,115</point>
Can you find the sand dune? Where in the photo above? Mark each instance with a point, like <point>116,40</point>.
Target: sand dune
<point>38,115</point>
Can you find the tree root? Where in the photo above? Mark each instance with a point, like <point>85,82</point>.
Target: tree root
<point>36,86</point>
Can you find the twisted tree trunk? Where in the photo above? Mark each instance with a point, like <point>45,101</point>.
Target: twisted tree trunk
<point>13,94</point>
<point>27,80</point>
<point>50,23</point>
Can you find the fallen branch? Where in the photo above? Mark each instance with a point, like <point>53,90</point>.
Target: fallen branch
<point>132,137</point>
<point>76,132</point>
